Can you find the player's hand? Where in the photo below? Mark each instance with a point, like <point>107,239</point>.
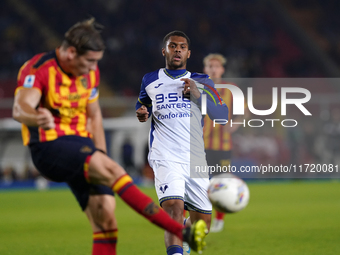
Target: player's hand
<point>142,114</point>
<point>45,119</point>
<point>190,88</point>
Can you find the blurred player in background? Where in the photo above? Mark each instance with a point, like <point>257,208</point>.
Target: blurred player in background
<point>217,140</point>
<point>57,95</point>
<point>175,119</point>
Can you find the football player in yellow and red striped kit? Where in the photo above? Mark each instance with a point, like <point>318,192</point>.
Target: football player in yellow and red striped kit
<point>56,98</point>
<point>217,140</point>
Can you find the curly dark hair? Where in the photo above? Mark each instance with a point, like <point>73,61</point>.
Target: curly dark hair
<point>175,33</point>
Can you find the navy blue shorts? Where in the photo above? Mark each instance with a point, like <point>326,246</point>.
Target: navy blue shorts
<point>62,160</point>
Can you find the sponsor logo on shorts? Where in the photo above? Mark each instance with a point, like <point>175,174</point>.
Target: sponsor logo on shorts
<point>163,188</point>
<point>86,149</point>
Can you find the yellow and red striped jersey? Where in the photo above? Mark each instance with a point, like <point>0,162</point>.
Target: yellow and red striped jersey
<point>65,95</point>
<point>215,138</point>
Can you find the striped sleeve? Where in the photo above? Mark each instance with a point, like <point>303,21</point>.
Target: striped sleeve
<point>97,75</point>
<point>30,77</point>
<point>95,80</point>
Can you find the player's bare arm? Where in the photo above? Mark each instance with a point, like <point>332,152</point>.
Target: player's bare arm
<point>95,117</point>
<point>24,110</point>
<point>191,88</point>
<point>142,114</point>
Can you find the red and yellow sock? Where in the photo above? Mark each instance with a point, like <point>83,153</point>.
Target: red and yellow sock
<point>144,205</point>
<point>104,242</point>
<point>219,215</point>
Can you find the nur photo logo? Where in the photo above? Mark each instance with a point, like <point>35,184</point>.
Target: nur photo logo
<point>238,105</point>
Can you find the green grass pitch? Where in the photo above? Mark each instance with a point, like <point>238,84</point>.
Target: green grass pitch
<point>281,218</point>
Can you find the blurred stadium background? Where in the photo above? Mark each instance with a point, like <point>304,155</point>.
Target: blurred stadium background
<point>260,38</point>
<point>268,39</point>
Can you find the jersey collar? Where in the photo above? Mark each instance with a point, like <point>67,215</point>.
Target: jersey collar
<point>175,74</point>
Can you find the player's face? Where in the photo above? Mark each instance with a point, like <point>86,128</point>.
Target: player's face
<point>176,52</point>
<point>214,69</point>
<point>83,64</point>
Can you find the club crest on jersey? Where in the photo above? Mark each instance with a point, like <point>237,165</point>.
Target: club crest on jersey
<point>163,188</point>
<point>84,82</point>
<point>29,81</point>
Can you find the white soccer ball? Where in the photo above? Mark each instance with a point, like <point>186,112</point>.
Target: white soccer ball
<point>228,193</point>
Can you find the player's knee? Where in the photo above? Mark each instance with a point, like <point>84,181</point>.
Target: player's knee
<point>104,170</point>
<point>109,223</point>
<point>104,218</point>
<point>116,170</point>
<point>113,171</point>
<point>174,209</point>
